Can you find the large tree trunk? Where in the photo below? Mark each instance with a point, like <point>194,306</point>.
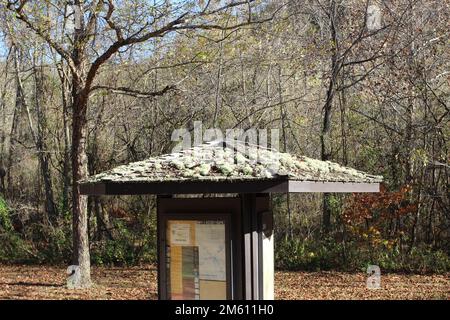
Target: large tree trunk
<point>80,97</point>
<point>79,202</point>
<point>80,171</point>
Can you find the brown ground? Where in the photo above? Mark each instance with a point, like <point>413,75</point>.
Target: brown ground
<point>43,282</point>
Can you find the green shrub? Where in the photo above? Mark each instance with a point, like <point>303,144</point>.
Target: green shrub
<point>57,246</point>
<point>130,246</point>
<point>328,254</point>
<point>295,254</point>
<point>5,220</point>
<point>13,248</point>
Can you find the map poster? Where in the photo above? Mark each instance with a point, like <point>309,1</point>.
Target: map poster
<point>210,239</point>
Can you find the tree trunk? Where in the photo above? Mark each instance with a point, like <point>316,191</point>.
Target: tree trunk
<point>3,132</point>
<point>14,127</point>
<point>66,138</point>
<point>80,97</point>
<point>325,136</point>
<point>79,171</point>
<point>93,164</point>
<point>41,147</point>
<point>38,135</point>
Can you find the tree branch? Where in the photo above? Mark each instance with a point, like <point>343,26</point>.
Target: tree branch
<point>93,18</point>
<point>386,126</point>
<point>111,23</point>
<point>39,31</point>
<point>134,93</point>
<point>174,25</point>
<point>124,42</point>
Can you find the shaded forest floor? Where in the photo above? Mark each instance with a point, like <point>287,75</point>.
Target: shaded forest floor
<point>44,282</point>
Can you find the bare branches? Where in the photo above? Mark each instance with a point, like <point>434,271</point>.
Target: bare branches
<point>93,18</point>
<point>44,34</point>
<point>206,7</point>
<point>219,27</point>
<point>180,23</point>
<point>185,21</point>
<point>125,42</point>
<point>375,119</point>
<point>112,24</point>
<point>134,93</point>
<point>225,7</point>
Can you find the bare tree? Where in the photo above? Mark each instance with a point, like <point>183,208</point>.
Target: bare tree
<point>345,54</point>
<point>101,19</point>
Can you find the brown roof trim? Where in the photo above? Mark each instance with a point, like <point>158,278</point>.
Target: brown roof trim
<point>204,187</point>
<point>186,187</point>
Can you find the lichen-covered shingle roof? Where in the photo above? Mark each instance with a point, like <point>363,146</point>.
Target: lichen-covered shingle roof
<point>231,161</point>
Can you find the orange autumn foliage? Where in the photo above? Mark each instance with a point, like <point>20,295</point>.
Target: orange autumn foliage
<point>370,216</point>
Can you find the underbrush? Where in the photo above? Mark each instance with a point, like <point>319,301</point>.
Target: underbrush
<point>295,254</point>
<point>129,242</point>
<point>132,241</point>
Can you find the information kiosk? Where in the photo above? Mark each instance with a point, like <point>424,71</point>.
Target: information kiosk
<point>217,243</point>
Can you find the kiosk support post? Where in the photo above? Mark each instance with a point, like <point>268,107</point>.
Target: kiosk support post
<point>257,239</point>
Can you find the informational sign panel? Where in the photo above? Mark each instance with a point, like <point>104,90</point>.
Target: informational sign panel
<point>196,259</point>
<point>180,234</point>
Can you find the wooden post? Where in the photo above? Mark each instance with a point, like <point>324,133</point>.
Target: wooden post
<point>250,247</point>
<point>257,243</point>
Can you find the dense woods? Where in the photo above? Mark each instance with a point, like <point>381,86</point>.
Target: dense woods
<point>89,86</point>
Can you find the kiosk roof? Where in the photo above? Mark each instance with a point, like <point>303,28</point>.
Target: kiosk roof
<point>226,163</point>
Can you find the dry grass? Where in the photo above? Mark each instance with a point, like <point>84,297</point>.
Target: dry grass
<point>44,282</point>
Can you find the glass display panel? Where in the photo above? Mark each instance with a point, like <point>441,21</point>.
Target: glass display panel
<point>196,265</point>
